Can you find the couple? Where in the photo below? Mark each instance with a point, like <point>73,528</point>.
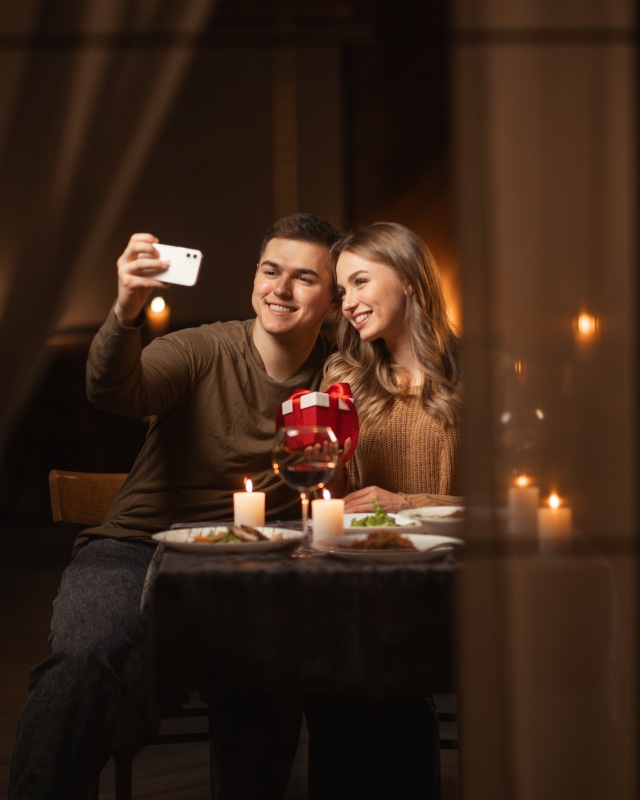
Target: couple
<point>213,392</point>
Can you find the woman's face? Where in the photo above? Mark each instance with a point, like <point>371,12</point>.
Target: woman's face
<point>373,299</point>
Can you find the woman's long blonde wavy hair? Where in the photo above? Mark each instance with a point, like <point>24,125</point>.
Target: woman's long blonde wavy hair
<point>375,381</point>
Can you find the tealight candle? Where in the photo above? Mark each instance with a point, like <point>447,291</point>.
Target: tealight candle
<point>554,526</point>
<point>248,506</point>
<point>328,516</point>
<point>158,317</point>
<point>523,506</point>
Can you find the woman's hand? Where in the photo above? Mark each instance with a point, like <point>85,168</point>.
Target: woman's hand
<point>362,501</point>
<point>137,268</point>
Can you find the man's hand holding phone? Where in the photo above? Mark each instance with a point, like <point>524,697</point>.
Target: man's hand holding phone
<point>146,265</point>
<point>184,264</point>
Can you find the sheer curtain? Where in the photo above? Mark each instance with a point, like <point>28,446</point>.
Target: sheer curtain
<point>86,88</point>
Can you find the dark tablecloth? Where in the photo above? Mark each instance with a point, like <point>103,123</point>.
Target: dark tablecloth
<point>277,622</point>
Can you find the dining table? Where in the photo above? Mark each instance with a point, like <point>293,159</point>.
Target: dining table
<point>290,619</point>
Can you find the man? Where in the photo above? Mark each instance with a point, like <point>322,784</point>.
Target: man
<point>213,392</point>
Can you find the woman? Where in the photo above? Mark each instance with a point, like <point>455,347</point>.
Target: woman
<point>400,355</point>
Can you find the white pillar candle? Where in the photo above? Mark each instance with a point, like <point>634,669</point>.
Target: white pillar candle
<point>554,527</point>
<point>328,517</point>
<point>523,507</point>
<point>248,507</point>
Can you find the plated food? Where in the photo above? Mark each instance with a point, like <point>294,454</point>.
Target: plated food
<point>379,518</point>
<point>387,546</point>
<point>225,539</point>
<point>234,533</point>
<point>352,524</point>
<point>381,540</point>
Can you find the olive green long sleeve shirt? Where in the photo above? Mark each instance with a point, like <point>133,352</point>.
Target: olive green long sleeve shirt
<point>213,409</point>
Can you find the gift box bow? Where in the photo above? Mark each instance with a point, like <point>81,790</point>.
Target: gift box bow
<point>334,408</point>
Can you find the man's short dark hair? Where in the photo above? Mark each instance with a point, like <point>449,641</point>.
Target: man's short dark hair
<point>302,228</point>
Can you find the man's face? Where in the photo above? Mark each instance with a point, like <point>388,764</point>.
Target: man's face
<point>293,287</point>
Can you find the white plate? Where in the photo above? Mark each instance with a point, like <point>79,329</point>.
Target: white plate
<point>183,539</point>
<point>430,516</point>
<point>427,546</point>
<point>402,525</point>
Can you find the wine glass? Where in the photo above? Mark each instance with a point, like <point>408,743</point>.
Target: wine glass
<point>305,457</point>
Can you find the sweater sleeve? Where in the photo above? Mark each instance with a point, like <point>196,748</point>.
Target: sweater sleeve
<point>124,378</point>
<point>421,500</point>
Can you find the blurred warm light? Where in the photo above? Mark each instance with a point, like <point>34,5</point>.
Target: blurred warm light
<point>522,481</point>
<point>158,305</point>
<point>158,316</point>
<point>248,485</point>
<point>326,494</point>
<point>454,318</point>
<point>586,326</point>
<point>539,413</point>
<point>517,367</point>
<point>451,292</point>
<point>554,501</point>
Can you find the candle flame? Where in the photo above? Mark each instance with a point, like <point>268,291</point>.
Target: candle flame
<point>522,481</point>
<point>326,494</point>
<point>248,485</point>
<point>554,501</point>
<point>157,305</point>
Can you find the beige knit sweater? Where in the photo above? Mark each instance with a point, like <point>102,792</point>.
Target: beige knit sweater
<point>408,452</point>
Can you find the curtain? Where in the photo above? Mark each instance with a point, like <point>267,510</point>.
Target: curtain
<point>86,87</point>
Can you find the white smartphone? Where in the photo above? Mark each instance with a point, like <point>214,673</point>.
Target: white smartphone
<point>184,264</point>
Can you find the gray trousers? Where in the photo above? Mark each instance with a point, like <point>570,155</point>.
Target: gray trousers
<point>61,744</point>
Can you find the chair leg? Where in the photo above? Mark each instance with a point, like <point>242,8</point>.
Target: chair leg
<point>123,778</point>
<point>94,791</point>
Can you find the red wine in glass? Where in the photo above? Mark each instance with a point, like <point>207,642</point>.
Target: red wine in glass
<point>306,458</point>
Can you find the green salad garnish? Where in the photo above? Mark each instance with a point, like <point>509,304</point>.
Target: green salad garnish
<point>379,519</point>
<point>230,538</point>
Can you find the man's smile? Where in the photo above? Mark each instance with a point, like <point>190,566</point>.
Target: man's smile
<point>280,309</point>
